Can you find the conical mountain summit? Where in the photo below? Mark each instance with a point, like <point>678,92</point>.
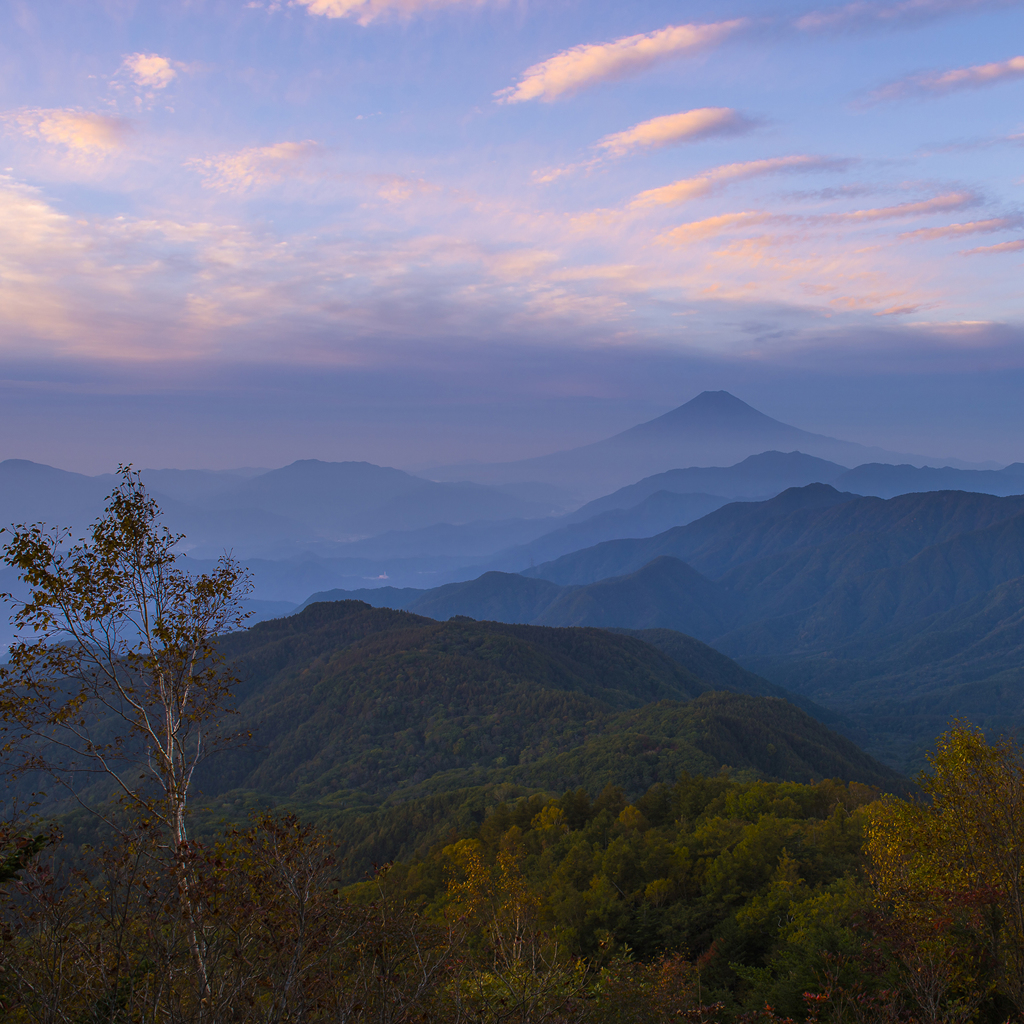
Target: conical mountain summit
<point>714,429</point>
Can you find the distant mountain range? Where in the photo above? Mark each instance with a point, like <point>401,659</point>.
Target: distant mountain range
<point>314,525</point>
<point>895,614</point>
<point>713,429</point>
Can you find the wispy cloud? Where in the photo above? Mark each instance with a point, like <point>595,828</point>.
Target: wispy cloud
<point>591,63</point>
<point>712,227</point>
<point>1015,246</point>
<point>76,130</point>
<point>862,14</point>
<point>712,180</point>
<point>974,227</point>
<point>939,204</point>
<point>365,11</point>
<point>249,169</point>
<point>687,126</point>
<point>940,82</point>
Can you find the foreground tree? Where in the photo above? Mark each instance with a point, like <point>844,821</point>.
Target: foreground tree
<point>950,873</point>
<point>114,688</point>
<point>115,673</point>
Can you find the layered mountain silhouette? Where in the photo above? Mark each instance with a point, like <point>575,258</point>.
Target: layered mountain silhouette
<point>713,429</point>
<point>757,477</point>
<point>909,604</point>
<point>317,525</point>
<point>268,512</point>
<point>888,481</point>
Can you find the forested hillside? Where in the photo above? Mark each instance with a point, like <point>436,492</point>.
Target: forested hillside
<point>374,718</point>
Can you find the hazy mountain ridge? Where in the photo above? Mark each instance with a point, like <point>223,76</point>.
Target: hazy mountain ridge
<point>715,428</point>
<point>834,596</point>
<point>316,525</point>
<point>757,477</point>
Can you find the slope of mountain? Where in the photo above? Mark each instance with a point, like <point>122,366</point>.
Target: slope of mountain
<point>193,486</point>
<point>342,500</point>
<point>387,724</point>
<point>665,594</point>
<point>658,742</point>
<point>888,481</point>
<point>713,429</point>
<point>494,596</point>
<point>704,661</point>
<point>388,698</point>
<point>261,512</point>
<point>798,528</point>
<point>656,513</point>
<point>755,478</point>
<point>734,529</point>
<point>30,493</point>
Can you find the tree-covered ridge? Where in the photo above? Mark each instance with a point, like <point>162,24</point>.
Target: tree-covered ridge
<point>747,737</point>
<point>766,876</point>
<point>351,704</point>
<point>373,700</point>
<point>394,729</point>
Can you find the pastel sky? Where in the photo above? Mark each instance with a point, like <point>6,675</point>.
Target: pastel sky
<point>417,231</point>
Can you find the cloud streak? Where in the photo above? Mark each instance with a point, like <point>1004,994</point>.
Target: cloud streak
<point>671,129</point>
<point>591,63</point>
<point>712,227</point>
<point>942,82</point>
<point>939,204</point>
<point>862,14</point>
<point>688,126</point>
<point>365,11</point>
<point>1015,246</point>
<point>685,189</point>
<point>974,227</point>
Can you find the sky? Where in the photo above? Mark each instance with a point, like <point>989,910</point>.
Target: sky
<point>242,232</point>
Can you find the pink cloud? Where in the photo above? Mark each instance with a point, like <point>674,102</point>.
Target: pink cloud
<point>938,82</point>
<point>77,130</point>
<point>712,227</point>
<point>150,70</point>
<point>865,14</point>
<point>939,204</point>
<point>974,227</point>
<point>257,166</point>
<point>1015,246</point>
<point>701,123</point>
<point>590,63</point>
<point>711,181</point>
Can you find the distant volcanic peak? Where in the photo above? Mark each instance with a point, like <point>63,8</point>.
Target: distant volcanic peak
<point>716,413</point>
